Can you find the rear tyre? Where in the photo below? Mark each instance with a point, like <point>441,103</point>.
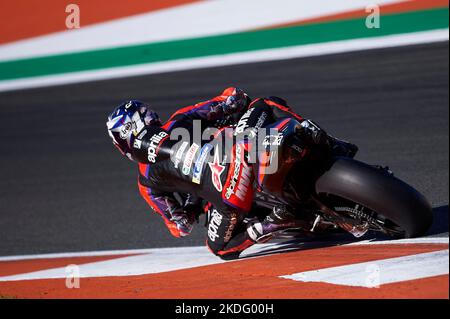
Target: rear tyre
<point>399,204</point>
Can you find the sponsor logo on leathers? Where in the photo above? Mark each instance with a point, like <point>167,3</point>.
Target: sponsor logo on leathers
<point>179,154</point>
<point>142,134</point>
<point>216,171</point>
<point>188,160</point>
<point>241,178</point>
<point>273,140</point>
<point>230,229</point>
<point>214,224</point>
<point>137,144</point>
<point>198,167</point>
<point>261,120</point>
<point>242,124</point>
<point>238,190</point>
<point>154,142</point>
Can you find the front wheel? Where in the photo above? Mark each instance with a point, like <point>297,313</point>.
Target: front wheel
<point>363,192</point>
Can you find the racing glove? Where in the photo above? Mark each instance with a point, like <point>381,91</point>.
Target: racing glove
<point>183,221</point>
<point>229,109</point>
<point>235,103</point>
<point>193,207</point>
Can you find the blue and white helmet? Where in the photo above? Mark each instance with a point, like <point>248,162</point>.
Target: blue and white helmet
<point>127,121</point>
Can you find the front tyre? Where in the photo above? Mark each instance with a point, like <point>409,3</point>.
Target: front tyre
<point>394,202</point>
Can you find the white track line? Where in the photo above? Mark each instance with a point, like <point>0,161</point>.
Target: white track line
<point>229,59</point>
<point>161,251</point>
<point>150,261</point>
<point>251,250</point>
<point>157,261</point>
<point>420,240</point>
<point>380,272</point>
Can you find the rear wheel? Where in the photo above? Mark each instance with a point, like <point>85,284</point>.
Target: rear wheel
<point>375,198</point>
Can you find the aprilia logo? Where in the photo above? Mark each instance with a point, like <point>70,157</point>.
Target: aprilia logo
<point>214,224</point>
<point>155,140</point>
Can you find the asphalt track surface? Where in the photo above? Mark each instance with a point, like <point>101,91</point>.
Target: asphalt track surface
<point>63,187</point>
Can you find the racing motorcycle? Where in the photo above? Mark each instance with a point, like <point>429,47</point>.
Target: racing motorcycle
<point>333,193</point>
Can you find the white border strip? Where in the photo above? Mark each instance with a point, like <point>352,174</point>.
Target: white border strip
<point>375,273</point>
<point>251,250</point>
<point>420,240</point>
<point>230,59</point>
<point>92,253</point>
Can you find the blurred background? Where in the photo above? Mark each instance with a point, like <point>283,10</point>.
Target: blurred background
<point>372,72</point>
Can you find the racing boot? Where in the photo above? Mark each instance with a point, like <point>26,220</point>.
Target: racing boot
<point>342,148</point>
<point>279,219</point>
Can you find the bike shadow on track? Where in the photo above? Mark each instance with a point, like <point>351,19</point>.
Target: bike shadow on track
<point>439,228</point>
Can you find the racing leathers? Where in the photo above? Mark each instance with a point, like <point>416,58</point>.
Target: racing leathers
<point>209,169</point>
<point>178,209</point>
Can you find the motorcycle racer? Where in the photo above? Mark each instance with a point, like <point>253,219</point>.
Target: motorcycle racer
<point>169,167</point>
<point>138,133</point>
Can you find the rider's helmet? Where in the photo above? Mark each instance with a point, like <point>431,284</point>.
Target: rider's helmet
<point>127,121</point>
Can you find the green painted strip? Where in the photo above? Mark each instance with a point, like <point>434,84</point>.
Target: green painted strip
<point>230,43</point>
